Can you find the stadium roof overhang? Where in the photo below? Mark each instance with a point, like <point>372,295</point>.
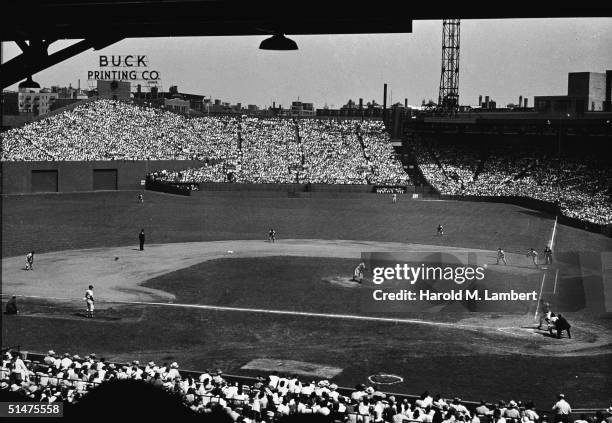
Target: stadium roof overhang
<point>34,25</point>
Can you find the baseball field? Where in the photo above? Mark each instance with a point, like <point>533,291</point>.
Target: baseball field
<point>210,291</point>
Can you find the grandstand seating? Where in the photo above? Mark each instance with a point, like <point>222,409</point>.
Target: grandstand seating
<point>253,150</point>
<point>580,185</point>
<point>69,378</point>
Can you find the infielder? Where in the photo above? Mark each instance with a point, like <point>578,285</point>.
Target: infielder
<point>534,256</point>
<point>272,235</point>
<point>440,230</point>
<point>548,255</point>
<point>394,198</point>
<point>29,265</point>
<point>89,299</point>
<point>501,255</point>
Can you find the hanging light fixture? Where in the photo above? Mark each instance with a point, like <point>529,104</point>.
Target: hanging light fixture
<point>278,42</point>
<point>29,83</point>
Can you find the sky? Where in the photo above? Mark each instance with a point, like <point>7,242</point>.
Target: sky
<point>501,58</point>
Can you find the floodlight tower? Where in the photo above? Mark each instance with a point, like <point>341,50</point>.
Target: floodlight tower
<point>448,98</point>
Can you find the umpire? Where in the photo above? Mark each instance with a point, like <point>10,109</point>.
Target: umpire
<point>141,238</point>
<point>561,324</point>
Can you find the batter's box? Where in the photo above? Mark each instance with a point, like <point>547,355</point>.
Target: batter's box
<point>292,367</point>
<point>518,331</point>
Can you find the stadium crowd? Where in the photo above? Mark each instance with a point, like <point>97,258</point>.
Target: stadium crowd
<point>268,150</point>
<point>69,377</point>
<point>580,185</point>
<point>252,150</point>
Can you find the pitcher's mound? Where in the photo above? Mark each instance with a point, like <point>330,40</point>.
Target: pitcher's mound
<point>343,281</point>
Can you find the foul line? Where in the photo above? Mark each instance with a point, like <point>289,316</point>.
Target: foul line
<point>556,277</point>
<point>535,316</point>
<point>552,238</point>
<point>277,312</point>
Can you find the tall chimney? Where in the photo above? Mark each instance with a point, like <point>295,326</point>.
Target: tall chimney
<point>406,103</point>
<point>526,101</point>
<point>520,100</point>
<point>385,104</point>
<point>486,101</point>
<point>361,104</point>
<point>480,100</point>
<point>274,105</point>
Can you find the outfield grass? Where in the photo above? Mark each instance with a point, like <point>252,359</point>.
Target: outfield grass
<point>55,222</point>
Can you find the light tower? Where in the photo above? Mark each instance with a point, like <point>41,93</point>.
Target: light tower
<point>448,98</point>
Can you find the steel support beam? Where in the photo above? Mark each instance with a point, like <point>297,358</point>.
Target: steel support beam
<point>35,58</point>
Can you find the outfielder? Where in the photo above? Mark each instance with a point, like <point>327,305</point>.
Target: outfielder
<point>89,299</point>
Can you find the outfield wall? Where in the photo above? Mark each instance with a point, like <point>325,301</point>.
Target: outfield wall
<point>70,176</point>
<point>22,177</point>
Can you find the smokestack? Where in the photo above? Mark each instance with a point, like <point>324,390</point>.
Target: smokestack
<point>79,84</point>
<point>608,96</point>
<point>526,101</point>
<point>480,100</point>
<point>361,104</point>
<point>520,100</point>
<point>406,103</point>
<point>274,105</point>
<point>385,104</point>
<point>385,97</point>
<point>486,101</point>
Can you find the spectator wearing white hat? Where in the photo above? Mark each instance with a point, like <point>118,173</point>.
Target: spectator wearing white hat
<point>512,412</point>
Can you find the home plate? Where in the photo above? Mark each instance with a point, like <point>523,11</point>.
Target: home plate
<point>292,367</point>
